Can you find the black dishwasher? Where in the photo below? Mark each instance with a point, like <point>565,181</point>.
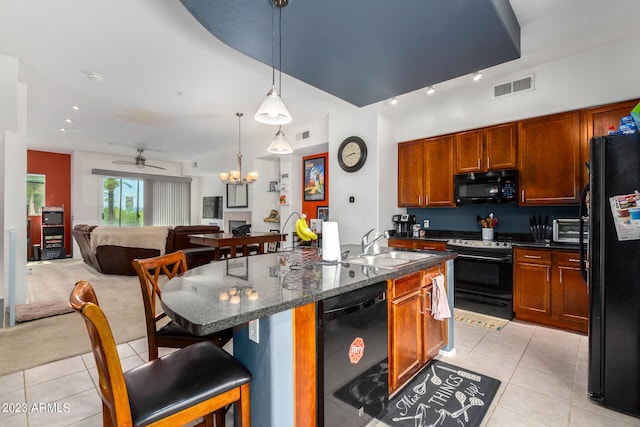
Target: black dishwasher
<point>353,357</point>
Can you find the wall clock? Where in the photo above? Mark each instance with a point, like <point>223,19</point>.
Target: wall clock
<point>352,154</point>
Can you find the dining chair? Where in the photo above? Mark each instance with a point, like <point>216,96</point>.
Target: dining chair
<point>161,333</point>
<point>194,382</point>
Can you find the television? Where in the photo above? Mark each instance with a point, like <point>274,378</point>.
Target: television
<point>52,217</point>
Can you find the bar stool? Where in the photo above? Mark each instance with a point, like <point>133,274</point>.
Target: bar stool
<point>178,388</point>
<point>171,334</point>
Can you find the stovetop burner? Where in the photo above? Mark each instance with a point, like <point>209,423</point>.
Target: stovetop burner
<point>481,245</point>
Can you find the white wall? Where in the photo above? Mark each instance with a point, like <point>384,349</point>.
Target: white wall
<point>596,77</point>
<point>13,158</point>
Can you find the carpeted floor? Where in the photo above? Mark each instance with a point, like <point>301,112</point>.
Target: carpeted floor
<point>41,341</point>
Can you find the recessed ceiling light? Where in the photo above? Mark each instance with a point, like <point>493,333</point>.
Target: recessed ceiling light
<point>68,120</point>
<point>63,130</point>
<point>477,76</point>
<point>96,77</point>
<point>430,90</point>
<point>394,101</point>
<point>75,107</point>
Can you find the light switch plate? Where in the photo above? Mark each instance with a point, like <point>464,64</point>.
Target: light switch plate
<point>425,223</point>
<point>254,331</point>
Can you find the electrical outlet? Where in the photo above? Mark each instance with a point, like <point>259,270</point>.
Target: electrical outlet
<point>254,331</point>
<point>425,223</point>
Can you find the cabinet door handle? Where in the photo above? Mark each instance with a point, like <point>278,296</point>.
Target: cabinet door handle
<point>426,200</point>
<point>419,200</point>
<point>488,163</point>
<point>428,297</point>
<point>548,270</point>
<point>422,303</point>
<point>533,256</point>
<point>573,260</point>
<point>522,196</point>
<point>478,164</point>
<point>561,276</point>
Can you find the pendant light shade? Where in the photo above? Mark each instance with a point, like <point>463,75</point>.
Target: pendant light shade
<point>280,145</point>
<point>273,111</point>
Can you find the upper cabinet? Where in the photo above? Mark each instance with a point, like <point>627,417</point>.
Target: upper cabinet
<point>549,153</point>
<point>596,122</point>
<point>549,160</point>
<point>482,150</point>
<point>425,172</point>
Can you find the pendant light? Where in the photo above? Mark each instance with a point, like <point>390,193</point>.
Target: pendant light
<point>280,145</point>
<point>235,176</point>
<point>273,111</point>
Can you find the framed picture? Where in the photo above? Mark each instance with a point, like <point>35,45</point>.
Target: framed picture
<point>273,246</point>
<point>314,176</point>
<point>273,185</point>
<point>237,196</point>
<point>322,213</point>
<point>212,207</point>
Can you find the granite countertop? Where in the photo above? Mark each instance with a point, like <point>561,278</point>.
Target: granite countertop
<point>268,284</point>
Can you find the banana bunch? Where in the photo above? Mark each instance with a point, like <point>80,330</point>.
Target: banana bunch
<point>303,231</point>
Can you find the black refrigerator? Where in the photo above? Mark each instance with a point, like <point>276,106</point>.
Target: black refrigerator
<point>613,272</point>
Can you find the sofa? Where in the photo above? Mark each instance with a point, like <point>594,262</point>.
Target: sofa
<point>113,248</point>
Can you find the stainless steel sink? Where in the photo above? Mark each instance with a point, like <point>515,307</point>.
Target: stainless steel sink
<point>389,259</point>
<point>411,256</point>
<point>378,261</point>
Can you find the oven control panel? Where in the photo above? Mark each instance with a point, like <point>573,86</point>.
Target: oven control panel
<point>479,244</point>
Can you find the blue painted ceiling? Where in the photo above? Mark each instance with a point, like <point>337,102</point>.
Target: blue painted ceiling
<point>365,51</point>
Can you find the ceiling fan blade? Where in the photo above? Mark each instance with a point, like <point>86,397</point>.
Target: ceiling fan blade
<point>152,166</point>
<point>123,162</point>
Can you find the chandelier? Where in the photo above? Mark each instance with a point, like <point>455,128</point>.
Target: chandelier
<point>235,176</point>
<point>272,111</point>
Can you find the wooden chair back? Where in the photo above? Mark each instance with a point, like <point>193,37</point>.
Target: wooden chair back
<point>149,271</point>
<point>113,390</point>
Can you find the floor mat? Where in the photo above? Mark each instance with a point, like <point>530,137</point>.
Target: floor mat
<point>40,310</point>
<point>478,319</point>
<point>442,395</point>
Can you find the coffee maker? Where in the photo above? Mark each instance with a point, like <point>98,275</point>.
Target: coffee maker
<point>403,224</point>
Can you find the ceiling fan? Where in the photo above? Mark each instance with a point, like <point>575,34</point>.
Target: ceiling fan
<point>140,161</point>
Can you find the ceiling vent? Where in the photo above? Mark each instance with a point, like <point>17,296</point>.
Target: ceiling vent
<point>302,135</point>
<point>515,86</point>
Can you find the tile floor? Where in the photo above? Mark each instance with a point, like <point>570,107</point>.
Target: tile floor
<point>543,373</point>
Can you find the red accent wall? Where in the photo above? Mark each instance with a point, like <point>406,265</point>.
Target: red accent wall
<point>57,169</point>
<point>309,207</point>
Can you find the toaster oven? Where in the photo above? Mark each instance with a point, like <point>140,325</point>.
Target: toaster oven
<point>567,230</point>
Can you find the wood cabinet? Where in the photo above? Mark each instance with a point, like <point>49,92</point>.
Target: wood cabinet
<point>548,289</point>
<point>415,337</point>
<point>487,149</point>
<point>417,244</point>
<point>549,160</point>
<point>596,122</point>
<point>425,172</point>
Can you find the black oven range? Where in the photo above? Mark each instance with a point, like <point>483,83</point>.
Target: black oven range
<point>483,276</point>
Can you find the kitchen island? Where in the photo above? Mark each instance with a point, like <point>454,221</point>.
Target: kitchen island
<point>281,290</point>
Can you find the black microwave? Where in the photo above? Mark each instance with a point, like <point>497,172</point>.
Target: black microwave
<point>486,187</point>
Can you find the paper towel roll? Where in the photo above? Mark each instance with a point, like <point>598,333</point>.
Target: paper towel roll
<point>330,241</point>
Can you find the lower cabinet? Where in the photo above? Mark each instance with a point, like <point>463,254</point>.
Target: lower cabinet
<point>415,337</point>
<point>548,289</point>
<point>420,244</point>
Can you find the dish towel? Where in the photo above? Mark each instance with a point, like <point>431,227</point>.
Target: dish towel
<point>439,302</point>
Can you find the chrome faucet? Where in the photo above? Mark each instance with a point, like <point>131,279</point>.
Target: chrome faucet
<point>366,244</point>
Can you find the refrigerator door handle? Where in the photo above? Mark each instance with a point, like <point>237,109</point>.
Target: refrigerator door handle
<point>583,214</point>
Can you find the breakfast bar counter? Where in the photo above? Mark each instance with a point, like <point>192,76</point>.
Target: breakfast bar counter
<point>281,290</point>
